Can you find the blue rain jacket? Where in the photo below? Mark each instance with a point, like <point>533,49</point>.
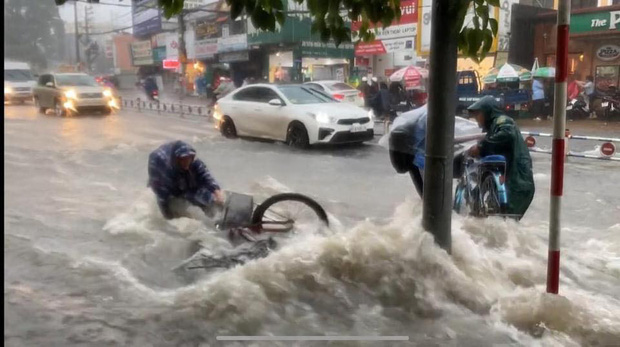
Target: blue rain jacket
<point>168,180</point>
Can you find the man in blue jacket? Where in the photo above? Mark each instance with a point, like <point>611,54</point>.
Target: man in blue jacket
<point>174,172</point>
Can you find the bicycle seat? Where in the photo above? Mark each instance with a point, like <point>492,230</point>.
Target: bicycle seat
<point>493,159</point>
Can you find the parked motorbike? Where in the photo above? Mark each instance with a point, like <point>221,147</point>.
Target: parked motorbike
<point>577,109</point>
<point>611,109</point>
<point>153,95</point>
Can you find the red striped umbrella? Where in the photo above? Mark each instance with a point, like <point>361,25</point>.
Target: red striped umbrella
<point>411,75</point>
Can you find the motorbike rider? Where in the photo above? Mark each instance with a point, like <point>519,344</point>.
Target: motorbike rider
<point>503,137</point>
<point>174,172</point>
<point>150,86</point>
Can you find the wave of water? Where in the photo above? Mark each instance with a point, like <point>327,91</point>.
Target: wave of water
<point>388,279</point>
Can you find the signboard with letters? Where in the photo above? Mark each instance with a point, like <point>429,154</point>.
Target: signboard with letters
<point>172,46</point>
<point>398,36</point>
<point>231,57</point>
<point>232,43</point>
<point>315,49</point>
<point>142,53</point>
<point>608,52</point>
<point>146,17</point>
<point>595,22</point>
<point>206,48</point>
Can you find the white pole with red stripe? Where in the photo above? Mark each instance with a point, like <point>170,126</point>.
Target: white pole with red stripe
<point>559,145</point>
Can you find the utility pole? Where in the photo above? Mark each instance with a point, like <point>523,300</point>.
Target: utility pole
<point>77,36</point>
<point>182,49</point>
<point>437,207</point>
<point>87,13</point>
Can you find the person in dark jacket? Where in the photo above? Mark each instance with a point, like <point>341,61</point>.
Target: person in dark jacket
<point>503,137</point>
<point>174,172</point>
<point>381,103</point>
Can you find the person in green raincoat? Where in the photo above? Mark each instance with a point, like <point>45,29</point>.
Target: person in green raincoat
<point>503,137</point>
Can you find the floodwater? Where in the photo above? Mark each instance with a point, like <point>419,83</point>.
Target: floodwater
<point>88,257</point>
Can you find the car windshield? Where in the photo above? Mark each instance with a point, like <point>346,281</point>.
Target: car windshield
<point>18,75</point>
<point>340,86</point>
<point>304,95</point>
<point>75,80</point>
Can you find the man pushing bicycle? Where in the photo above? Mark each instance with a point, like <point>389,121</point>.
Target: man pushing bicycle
<point>503,137</point>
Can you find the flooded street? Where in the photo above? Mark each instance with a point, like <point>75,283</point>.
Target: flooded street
<point>88,256</point>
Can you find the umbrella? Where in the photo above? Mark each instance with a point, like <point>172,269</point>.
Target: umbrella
<point>507,73</point>
<point>545,72</point>
<point>411,75</point>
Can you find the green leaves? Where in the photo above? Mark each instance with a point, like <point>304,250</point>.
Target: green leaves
<point>476,40</point>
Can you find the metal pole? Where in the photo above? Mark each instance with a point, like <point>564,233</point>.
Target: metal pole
<point>558,149</point>
<point>182,50</point>
<point>437,207</point>
<point>77,38</point>
<point>87,39</point>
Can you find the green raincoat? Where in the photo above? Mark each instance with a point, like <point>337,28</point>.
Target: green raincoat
<point>504,138</point>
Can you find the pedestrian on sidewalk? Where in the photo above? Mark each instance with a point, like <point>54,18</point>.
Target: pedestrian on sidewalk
<point>538,98</point>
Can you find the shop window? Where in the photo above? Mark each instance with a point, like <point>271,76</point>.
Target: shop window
<point>575,64</point>
<point>606,76</point>
<point>615,2</point>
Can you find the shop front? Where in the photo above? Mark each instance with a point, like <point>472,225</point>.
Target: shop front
<point>293,54</point>
<point>594,45</point>
<point>393,47</point>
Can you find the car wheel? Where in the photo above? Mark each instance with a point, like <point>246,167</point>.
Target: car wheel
<point>37,104</point>
<point>227,128</point>
<point>297,136</point>
<point>59,111</point>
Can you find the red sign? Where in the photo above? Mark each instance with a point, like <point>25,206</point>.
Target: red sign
<point>171,64</point>
<point>361,61</point>
<point>369,48</point>
<point>530,141</point>
<point>608,149</point>
<point>408,15</point>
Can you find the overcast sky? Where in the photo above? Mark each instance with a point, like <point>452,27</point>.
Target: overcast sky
<point>117,15</point>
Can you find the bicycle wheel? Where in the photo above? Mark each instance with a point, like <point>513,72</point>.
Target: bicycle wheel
<point>283,212</point>
<point>489,196</point>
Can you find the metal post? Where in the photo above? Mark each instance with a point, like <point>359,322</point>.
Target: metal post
<point>437,208</point>
<point>182,50</point>
<point>77,38</point>
<point>559,145</point>
<point>87,39</point>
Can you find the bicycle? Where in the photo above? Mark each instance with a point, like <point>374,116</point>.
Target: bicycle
<point>481,189</point>
<point>244,220</point>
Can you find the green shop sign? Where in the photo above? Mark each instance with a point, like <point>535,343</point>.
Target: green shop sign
<point>314,49</point>
<point>159,54</point>
<point>595,22</point>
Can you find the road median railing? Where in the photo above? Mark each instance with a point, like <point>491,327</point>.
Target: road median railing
<point>176,108</point>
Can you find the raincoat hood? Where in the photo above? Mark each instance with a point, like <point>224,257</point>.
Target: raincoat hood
<point>180,149</point>
<point>489,107</point>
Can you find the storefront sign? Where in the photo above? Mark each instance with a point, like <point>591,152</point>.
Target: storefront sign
<point>207,30</point>
<point>233,57</point>
<point>361,61</point>
<point>172,46</point>
<point>232,43</point>
<point>408,15</point>
<point>379,47</point>
<point>171,64</point>
<point>146,17</point>
<point>206,48</point>
<point>314,49</point>
<point>109,50</point>
<point>142,53</point>
<point>608,52</point>
<point>159,54</point>
<point>595,22</point>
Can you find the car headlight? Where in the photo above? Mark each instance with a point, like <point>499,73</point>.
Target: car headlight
<point>371,115</point>
<point>323,118</point>
<point>8,90</point>
<point>107,93</point>
<point>70,94</point>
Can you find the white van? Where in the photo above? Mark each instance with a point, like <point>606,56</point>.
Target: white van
<point>18,82</point>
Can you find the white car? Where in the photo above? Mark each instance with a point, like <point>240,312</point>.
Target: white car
<point>295,114</point>
<point>18,82</point>
<point>340,91</point>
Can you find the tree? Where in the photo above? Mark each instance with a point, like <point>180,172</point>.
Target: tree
<point>33,31</point>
